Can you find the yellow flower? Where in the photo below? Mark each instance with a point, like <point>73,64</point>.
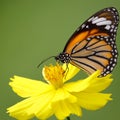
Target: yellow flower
<point>57,96</point>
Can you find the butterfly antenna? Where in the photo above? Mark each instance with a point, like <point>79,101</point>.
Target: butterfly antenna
<point>44,61</point>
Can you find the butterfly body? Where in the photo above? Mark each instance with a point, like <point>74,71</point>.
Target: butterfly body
<point>92,46</point>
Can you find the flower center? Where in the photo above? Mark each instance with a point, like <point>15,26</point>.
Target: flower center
<point>54,75</point>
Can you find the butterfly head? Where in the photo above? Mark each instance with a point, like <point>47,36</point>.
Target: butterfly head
<point>63,57</point>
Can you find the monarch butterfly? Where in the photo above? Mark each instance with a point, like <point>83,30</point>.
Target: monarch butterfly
<point>92,46</point>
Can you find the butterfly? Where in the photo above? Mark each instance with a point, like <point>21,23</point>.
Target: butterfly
<point>92,46</point>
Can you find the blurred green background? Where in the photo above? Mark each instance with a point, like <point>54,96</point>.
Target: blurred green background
<point>32,30</point>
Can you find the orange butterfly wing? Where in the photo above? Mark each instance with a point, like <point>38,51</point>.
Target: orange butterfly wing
<point>92,46</point>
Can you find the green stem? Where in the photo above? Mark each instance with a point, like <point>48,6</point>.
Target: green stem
<point>68,118</point>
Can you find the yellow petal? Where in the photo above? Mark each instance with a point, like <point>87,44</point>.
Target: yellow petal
<point>42,106</point>
<point>39,106</point>
<point>25,87</point>
<point>92,101</point>
<point>97,84</point>
<point>76,86</point>
<point>62,94</point>
<point>19,110</point>
<point>92,83</point>
<point>63,109</point>
<point>71,71</point>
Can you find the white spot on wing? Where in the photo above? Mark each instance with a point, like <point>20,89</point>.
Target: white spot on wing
<point>112,26</point>
<point>107,27</point>
<point>98,20</point>
<point>83,25</point>
<point>108,10</point>
<point>95,18</point>
<point>87,26</point>
<point>106,22</point>
<point>91,19</point>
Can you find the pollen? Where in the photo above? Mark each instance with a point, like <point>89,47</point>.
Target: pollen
<point>54,75</point>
